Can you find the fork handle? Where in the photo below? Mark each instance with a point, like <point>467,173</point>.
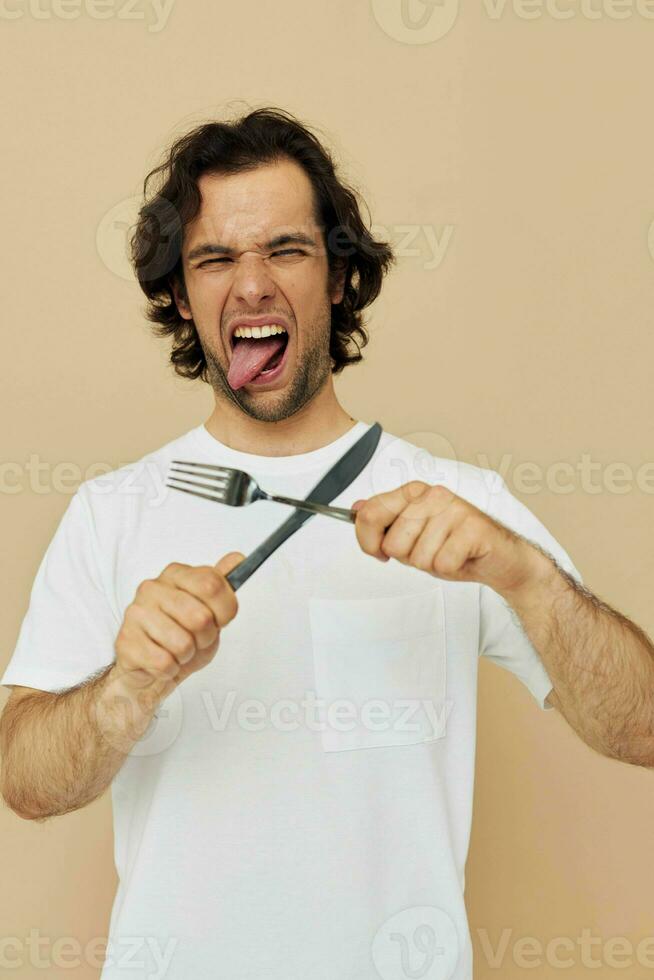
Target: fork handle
<point>341,513</point>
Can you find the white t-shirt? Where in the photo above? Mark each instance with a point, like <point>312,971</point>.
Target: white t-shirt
<point>257,836</point>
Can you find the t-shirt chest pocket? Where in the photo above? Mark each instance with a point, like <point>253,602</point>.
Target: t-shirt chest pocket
<point>380,669</point>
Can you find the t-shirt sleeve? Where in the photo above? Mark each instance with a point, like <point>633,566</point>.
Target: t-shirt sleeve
<point>502,637</point>
<point>70,626</point>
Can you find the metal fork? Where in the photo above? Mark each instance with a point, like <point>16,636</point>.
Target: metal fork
<point>237,488</point>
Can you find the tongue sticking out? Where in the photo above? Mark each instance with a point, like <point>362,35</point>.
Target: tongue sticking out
<point>250,357</point>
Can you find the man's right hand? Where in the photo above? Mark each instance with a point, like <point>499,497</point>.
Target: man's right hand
<point>172,628</point>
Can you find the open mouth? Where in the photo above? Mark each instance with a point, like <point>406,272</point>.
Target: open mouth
<point>256,358</point>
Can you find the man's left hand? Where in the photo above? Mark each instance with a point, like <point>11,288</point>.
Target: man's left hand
<point>430,528</point>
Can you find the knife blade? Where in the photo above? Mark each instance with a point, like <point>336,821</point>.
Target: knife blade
<point>341,474</point>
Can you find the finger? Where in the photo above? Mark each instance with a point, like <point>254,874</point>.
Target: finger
<point>164,630</point>
<point>229,562</point>
<point>185,608</point>
<point>450,559</point>
<point>401,537</point>
<point>432,539</point>
<point>141,656</point>
<point>429,514</point>
<point>207,584</point>
<point>156,660</point>
<point>191,614</point>
<point>437,505</point>
<point>378,513</point>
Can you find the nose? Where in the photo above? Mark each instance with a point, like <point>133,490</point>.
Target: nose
<point>252,282</point>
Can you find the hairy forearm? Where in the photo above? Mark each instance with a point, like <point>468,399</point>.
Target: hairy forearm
<point>60,751</point>
<point>600,663</point>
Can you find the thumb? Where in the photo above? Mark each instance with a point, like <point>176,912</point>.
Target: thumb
<point>229,561</point>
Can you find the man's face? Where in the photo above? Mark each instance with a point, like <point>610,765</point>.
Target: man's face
<point>232,271</point>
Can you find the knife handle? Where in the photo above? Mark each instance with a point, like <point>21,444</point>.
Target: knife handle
<point>342,513</point>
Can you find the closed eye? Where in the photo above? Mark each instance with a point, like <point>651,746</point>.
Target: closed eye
<point>225,258</point>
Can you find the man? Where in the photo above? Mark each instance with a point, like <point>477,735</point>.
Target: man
<point>292,774</point>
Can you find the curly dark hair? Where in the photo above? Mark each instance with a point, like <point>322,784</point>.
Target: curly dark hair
<point>265,135</point>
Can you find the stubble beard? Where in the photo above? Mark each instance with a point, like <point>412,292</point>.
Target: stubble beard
<point>310,374</point>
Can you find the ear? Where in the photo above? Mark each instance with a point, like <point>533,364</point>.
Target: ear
<point>181,299</point>
<point>337,283</point>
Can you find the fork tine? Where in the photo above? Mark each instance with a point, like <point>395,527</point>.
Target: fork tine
<point>205,466</point>
<point>196,483</point>
<point>217,479</point>
<point>196,493</point>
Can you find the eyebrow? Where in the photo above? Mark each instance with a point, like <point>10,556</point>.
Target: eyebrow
<point>211,248</point>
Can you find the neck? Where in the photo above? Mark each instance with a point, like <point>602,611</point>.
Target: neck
<point>316,424</point>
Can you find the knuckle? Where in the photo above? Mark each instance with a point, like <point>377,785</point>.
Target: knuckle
<point>444,566</point>
<point>161,660</point>
<point>199,619</point>
<point>437,489</point>
<point>183,646</point>
<point>363,544</point>
<point>121,644</point>
<point>130,617</point>
<point>439,492</point>
<point>230,612</point>
<point>415,488</point>
<point>144,589</point>
<point>210,584</point>
<point>422,563</point>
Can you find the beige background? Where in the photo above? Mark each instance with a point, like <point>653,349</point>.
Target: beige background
<point>524,145</point>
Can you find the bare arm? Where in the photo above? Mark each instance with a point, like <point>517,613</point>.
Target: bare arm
<point>600,663</point>
<point>60,751</point>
